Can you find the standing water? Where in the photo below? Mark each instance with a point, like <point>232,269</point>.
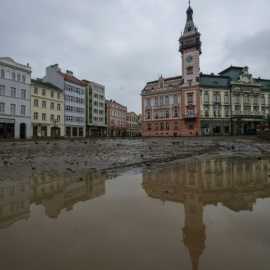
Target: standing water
<point>203,215</point>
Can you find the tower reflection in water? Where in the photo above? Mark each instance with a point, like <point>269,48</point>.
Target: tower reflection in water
<point>235,184</point>
<point>54,192</point>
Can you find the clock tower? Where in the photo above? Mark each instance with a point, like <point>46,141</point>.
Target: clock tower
<point>190,48</point>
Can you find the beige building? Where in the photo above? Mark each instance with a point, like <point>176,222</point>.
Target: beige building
<point>133,125</point>
<point>47,106</point>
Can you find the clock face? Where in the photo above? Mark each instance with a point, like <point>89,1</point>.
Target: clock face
<point>189,59</point>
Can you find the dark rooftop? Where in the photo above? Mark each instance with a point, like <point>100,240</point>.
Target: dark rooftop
<point>45,84</point>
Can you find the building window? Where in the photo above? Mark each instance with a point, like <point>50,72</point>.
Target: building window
<point>35,116</point>
<point>175,99</point>
<point>36,102</point>
<point>227,112</point>
<point>167,114</point>
<point>43,92</point>
<point>52,106</point>
<point>58,107</point>
<point>217,97</point>
<point>44,104</point>
<point>23,78</point>
<point>206,111</point>
<point>190,125</point>
<point>156,101</point>
<point>18,77</point>
<point>161,100</point>
<point>148,102</point>
<point>167,101</point>
<point>148,115</point>
<point>189,70</point>
<point>2,74</point>
<point>52,117</point>
<point>23,94</point>
<point>2,90</point>
<point>175,112</point>
<point>161,126</point>
<point>13,92</point>
<point>167,126</point>
<point>206,97</point>
<point>237,108</point>
<point>226,98</point>
<point>58,118</point>
<point>149,127</point>
<point>237,99</point>
<point>190,99</point>
<point>23,109</point>
<point>263,99</point>
<point>35,90</point>
<point>13,76</point>
<point>44,117</point>
<point>12,109</point>
<point>2,107</point>
<point>52,94</point>
<point>58,95</point>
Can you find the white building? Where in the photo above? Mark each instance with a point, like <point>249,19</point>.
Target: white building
<point>15,96</point>
<point>95,109</point>
<point>74,97</point>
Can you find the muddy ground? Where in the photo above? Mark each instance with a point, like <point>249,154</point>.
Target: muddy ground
<point>23,158</point>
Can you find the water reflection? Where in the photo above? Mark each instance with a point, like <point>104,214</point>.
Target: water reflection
<point>54,192</point>
<point>235,184</point>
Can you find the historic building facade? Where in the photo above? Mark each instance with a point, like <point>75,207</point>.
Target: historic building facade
<point>116,118</point>
<point>229,103</point>
<point>95,109</point>
<point>15,95</point>
<point>74,97</point>
<point>47,106</point>
<point>133,125</point>
<point>171,106</point>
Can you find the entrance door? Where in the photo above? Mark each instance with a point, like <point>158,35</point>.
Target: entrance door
<point>22,130</point>
<point>55,132</point>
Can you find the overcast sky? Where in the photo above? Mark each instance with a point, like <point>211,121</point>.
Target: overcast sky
<point>125,43</point>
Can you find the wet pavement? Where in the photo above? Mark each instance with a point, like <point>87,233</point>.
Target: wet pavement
<point>196,214</point>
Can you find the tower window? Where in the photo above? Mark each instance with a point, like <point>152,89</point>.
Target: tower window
<point>189,70</point>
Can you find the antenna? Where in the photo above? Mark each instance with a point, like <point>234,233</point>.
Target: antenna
<point>189,3</point>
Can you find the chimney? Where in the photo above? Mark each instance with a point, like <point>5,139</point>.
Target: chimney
<point>69,72</point>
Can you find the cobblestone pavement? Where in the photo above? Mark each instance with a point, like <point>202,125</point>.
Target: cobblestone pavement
<point>23,158</point>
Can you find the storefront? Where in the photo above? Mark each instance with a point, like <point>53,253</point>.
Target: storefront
<point>7,128</point>
<point>215,127</point>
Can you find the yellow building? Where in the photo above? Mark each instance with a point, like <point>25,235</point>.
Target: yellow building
<point>47,107</point>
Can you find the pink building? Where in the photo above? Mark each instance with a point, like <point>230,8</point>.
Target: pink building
<point>171,106</point>
<point>116,118</point>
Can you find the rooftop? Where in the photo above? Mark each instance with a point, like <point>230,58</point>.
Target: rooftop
<point>214,81</point>
<point>72,79</point>
<point>45,84</point>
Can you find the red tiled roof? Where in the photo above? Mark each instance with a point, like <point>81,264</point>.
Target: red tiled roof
<point>72,79</point>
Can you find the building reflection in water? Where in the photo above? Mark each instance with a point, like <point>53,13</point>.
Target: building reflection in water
<point>235,184</point>
<point>15,200</point>
<point>54,192</point>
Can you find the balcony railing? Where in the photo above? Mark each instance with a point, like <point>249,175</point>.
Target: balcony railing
<point>190,115</point>
<point>248,114</point>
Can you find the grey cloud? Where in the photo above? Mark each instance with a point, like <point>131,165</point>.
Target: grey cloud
<point>254,51</point>
<point>124,43</point>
